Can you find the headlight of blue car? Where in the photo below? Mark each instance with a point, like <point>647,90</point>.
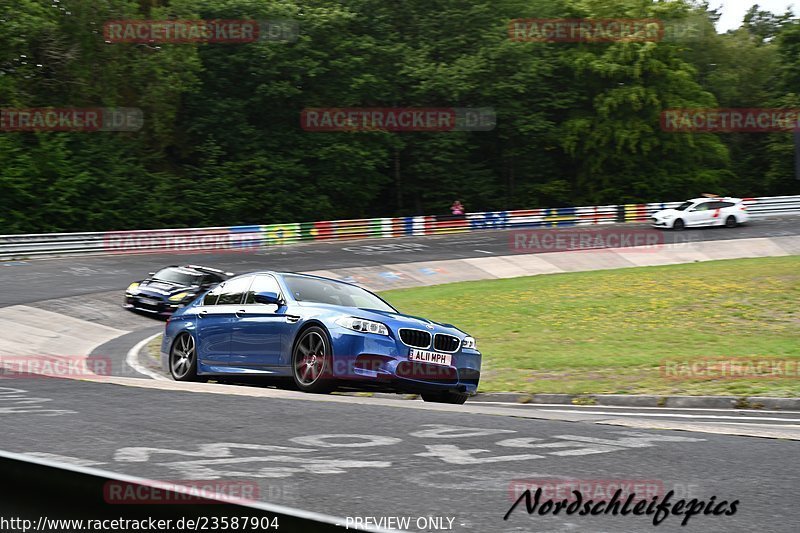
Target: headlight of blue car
<point>469,342</point>
<point>362,325</point>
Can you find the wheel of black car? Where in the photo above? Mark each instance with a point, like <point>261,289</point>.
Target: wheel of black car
<point>678,225</point>
<point>730,222</point>
<point>183,358</point>
<point>445,397</point>
<point>311,361</point>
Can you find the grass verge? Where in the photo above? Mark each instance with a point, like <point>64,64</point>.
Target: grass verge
<point>616,331</point>
<point>150,355</point>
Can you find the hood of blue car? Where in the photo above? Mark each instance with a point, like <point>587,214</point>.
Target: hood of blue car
<point>403,318</point>
<point>394,320</point>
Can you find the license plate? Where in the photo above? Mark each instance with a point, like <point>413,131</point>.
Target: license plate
<point>148,301</point>
<point>430,357</point>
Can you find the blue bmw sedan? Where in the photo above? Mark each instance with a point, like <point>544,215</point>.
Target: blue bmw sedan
<point>321,333</point>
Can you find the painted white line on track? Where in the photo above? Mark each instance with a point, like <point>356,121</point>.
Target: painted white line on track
<point>484,251</point>
<point>77,461</point>
<point>133,359</point>
<point>721,428</point>
<point>792,426</point>
<point>587,407</point>
<point>677,415</point>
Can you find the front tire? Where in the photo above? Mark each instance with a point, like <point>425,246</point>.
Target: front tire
<point>731,222</point>
<point>183,359</point>
<point>678,225</point>
<point>445,397</point>
<point>312,361</point>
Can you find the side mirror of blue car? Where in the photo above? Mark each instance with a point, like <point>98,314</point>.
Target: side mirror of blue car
<point>267,298</point>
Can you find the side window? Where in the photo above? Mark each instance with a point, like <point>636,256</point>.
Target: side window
<point>702,207</point>
<point>724,204</point>
<point>212,296</point>
<point>263,283</point>
<point>208,278</point>
<point>233,290</point>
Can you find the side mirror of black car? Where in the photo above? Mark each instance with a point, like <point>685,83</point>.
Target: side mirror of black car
<point>151,274</point>
<point>267,298</point>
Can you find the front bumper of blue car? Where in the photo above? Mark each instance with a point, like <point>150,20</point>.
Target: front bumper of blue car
<point>385,362</point>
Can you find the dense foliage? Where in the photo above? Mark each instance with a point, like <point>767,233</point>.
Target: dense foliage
<point>578,123</point>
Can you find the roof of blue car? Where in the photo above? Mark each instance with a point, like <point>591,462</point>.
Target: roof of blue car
<point>300,274</point>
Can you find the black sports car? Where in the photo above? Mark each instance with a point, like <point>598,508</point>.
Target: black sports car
<point>171,288</point>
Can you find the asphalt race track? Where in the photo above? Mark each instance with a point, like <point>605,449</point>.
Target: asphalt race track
<point>460,466</point>
<point>358,459</point>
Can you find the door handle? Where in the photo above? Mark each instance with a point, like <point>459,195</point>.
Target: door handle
<point>201,314</point>
<point>240,312</point>
<point>291,319</point>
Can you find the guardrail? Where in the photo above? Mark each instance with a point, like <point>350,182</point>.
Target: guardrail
<point>48,495</point>
<point>251,238</point>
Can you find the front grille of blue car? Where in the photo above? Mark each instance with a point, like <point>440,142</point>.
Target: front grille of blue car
<point>446,343</point>
<point>416,338</point>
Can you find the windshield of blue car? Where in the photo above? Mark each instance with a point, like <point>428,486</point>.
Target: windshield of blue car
<point>684,206</point>
<point>180,277</point>
<point>334,293</point>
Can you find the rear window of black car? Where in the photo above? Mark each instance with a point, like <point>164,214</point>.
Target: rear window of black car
<point>209,279</point>
<point>178,276</point>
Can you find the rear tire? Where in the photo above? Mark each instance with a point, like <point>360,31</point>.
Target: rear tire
<point>678,225</point>
<point>731,222</point>
<point>445,397</point>
<point>312,361</point>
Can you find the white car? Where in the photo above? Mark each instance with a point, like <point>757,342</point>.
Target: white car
<point>716,211</point>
